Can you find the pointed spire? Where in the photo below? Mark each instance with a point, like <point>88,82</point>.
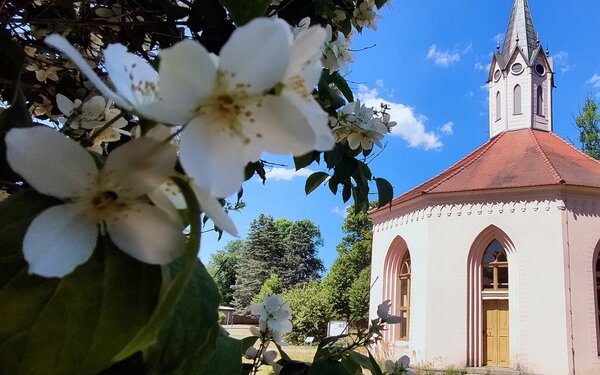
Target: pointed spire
<point>520,24</point>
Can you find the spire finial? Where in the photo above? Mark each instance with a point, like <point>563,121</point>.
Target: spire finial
<point>547,51</point>
<point>537,39</point>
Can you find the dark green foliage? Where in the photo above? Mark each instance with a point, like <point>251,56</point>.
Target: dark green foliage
<point>358,295</point>
<point>354,257</point>
<point>311,311</point>
<point>89,315</point>
<point>264,251</point>
<point>588,122</point>
<point>223,266</point>
<point>300,262</point>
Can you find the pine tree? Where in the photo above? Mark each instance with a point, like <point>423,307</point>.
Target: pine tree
<point>264,251</point>
<point>300,263</point>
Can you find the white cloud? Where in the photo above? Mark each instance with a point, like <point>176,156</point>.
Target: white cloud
<point>286,174</point>
<point>498,39</point>
<point>410,127</point>
<point>483,67</point>
<point>594,81</point>
<point>379,83</point>
<point>447,128</point>
<point>340,211</point>
<point>442,58</point>
<point>561,61</point>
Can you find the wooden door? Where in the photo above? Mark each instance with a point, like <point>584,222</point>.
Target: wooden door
<point>495,331</point>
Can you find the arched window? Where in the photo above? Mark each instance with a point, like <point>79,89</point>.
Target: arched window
<point>540,101</point>
<point>403,299</point>
<point>495,268</point>
<point>597,273</point>
<point>498,106</point>
<point>517,100</point>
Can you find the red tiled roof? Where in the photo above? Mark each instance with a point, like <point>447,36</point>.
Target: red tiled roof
<point>514,159</point>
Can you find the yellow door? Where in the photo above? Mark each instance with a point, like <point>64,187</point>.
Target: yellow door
<point>495,323</point>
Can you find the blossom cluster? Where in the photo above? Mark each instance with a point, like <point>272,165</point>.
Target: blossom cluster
<point>273,324</point>
<point>254,97</point>
<point>361,126</point>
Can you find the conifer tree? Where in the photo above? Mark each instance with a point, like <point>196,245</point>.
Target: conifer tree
<point>300,263</point>
<point>264,251</point>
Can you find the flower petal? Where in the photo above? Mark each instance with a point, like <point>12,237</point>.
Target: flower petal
<point>134,78</point>
<point>306,54</point>
<point>146,233</point>
<point>187,74</point>
<point>316,117</point>
<point>93,108</point>
<point>280,128</point>
<point>139,166</point>
<point>65,105</point>
<point>50,162</point>
<point>213,158</point>
<point>65,47</point>
<point>213,209</point>
<point>257,53</point>
<point>58,240</point>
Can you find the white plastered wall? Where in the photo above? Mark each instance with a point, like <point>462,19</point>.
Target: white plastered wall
<point>439,234</point>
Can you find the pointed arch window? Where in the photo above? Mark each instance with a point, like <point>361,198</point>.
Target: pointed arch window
<point>597,282</point>
<point>517,100</point>
<point>495,268</point>
<point>540,101</point>
<point>403,299</point>
<point>498,106</point>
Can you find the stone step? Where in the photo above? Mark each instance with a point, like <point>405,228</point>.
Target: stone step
<point>492,371</point>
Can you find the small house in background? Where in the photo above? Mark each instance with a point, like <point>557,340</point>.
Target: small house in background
<point>494,263</point>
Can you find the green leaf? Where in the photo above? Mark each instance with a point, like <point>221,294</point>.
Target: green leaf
<point>380,3</point>
<point>148,335</point>
<point>314,180</point>
<point>188,329</point>
<point>346,193</point>
<point>12,59</point>
<point>342,85</point>
<point>333,185</point>
<point>225,360</point>
<point>328,366</point>
<point>244,11</point>
<point>305,160</point>
<point>247,342</point>
<point>75,324</point>
<point>16,116</point>
<point>385,191</point>
<point>365,362</point>
<point>351,366</point>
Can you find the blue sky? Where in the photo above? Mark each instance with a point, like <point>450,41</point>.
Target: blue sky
<point>430,60</point>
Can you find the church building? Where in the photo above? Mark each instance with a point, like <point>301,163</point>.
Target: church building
<point>494,263</point>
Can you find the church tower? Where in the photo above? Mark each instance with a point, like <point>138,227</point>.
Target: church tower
<point>521,78</point>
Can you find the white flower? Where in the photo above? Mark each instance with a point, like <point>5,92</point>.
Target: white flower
<point>275,312</point>
<point>111,199</point>
<point>383,311</point>
<point>169,198</point>
<point>134,79</point>
<point>302,75</point>
<point>336,53</point>
<point>400,367</point>
<point>228,105</point>
<point>269,357</point>
<point>251,353</point>
<point>358,125</point>
<point>95,112</point>
<point>303,25</point>
<point>365,16</point>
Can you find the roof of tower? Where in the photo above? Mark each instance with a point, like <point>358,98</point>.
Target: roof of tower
<point>517,159</point>
<point>520,32</point>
